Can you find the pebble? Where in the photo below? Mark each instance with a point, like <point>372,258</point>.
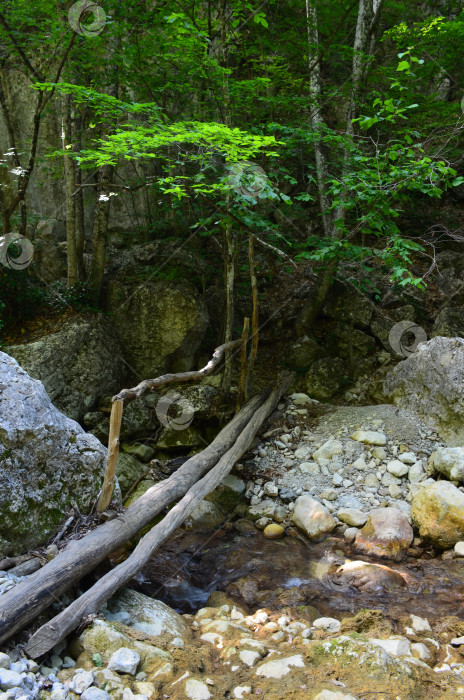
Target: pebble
<point>197,690</point>
<point>352,516</point>
<point>369,437</point>
<point>397,468</point>
<point>82,680</point>
<point>273,531</point>
<point>9,679</point>
<point>94,694</point>
<point>459,549</point>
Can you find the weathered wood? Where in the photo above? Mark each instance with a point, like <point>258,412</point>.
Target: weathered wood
<point>25,601</point>
<point>93,599</point>
<point>243,364</point>
<point>151,384</point>
<point>112,457</point>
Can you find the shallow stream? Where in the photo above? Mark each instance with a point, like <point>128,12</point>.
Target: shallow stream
<point>291,572</point>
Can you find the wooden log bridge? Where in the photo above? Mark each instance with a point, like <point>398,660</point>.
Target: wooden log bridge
<point>20,605</point>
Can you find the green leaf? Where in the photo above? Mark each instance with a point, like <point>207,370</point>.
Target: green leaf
<point>97,660</point>
<point>403,65</point>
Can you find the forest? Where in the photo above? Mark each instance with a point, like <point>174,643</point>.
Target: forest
<point>231,349</point>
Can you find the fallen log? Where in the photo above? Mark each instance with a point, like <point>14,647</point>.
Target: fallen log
<point>92,600</point>
<point>26,600</point>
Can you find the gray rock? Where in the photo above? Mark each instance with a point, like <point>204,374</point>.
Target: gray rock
<point>328,624</point>
<point>81,681</point>
<point>9,679</point>
<point>353,517</point>
<point>429,383</point>
<point>328,450</point>
<point>143,452</point>
<point>449,461</point>
<point>397,468</point>
<point>94,694</point>
<point>5,660</point>
<point>124,660</point>
<point>160,324</point>
<point>148,615</point>
<point>312,518</point>
<point>62,462</point>
<point>76,365</point>
<point>449,323</point>
<point>369,437</point>
<point>346,302</point>
<point>303,353</point>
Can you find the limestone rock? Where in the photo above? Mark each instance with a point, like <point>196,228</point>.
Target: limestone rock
<point>312,518</point>
<point>429,383</point>
<point>333,695</point>
<point>47,460</point>
<point>124,660</point>
<point>197,690</point>
<point>449,323</point>
<point>346,302</point>
<point>328,624</point>
<point>328,450</point>
<point>438,511</point>
<point>205,515</point>
<point>352,516</point>
<point>386,534</point>
<point>304,352</point>
<point>369,437</point>
<point>397,468</point>
<point>449,461</point>
<point>76,365</point>
<point>277,668</point>
<point>160,323</point>
<point>149,615</point>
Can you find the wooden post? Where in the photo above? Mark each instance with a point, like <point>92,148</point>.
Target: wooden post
<point>113,451</point>
<point>243,365</point>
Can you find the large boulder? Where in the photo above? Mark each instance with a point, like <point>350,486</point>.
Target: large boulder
<point>387,534</point>
<point>47,462</point>
<point>438,511</point>
<point>449,461</point>
<point>430,384</point>
<point>449,323</point>
<point>77,364</point>
<point>312,518</point>
<point>160,323</point>
<point>325,377</point>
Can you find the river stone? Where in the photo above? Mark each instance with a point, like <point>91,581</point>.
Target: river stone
<point>312,518</point>
<point>397,468</point>
<point>197,690</point>
<point>205,515</point>
<point>393,646</point>
<point>81,681</point>
<point>369,437</point>
<point>76,365</point>
<point>449,461</point>
<point>124,660</point>
<point>386,534</point>
<point>368,577</point>
<point>277,668</point>
<point>352,516</point>
<point>438,511</point>
<point>9,679</point>
<point>328,624</point>
<point>47,460</point>
<point>459,549</point>
<point>429,383</point>
<point>160,323</point>
<point>273,531</point>
<point>148,615</point>
<point>92,694</point>
<point>265,509</point>
<point>328,450</point>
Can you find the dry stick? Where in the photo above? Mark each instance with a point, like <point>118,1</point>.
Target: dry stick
<point>254,319</point>
<point>116,417</point>
<point>151,384</point>
<point>27,599</point>
<point>112,458</point>
<point>241,387</point>
<point>93,599</point>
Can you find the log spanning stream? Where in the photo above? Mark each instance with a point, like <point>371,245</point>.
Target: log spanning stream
<point>262,573</point>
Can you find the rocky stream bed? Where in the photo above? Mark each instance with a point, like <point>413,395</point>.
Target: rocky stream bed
<point>319,569</point>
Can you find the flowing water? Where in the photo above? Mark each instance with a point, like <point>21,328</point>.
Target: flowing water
<point>330,576</point>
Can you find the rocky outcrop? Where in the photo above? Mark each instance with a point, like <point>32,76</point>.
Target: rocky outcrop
<point>160,324</point>
<point>47,462</point>
<point>76,365</point>
<point>438,511</point>
<point>449,323</point>
<point>429,383</point>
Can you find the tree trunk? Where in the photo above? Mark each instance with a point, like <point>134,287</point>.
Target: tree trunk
<point>69,183</point>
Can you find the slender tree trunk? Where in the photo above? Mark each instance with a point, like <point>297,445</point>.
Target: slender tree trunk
<point>69,183</point>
